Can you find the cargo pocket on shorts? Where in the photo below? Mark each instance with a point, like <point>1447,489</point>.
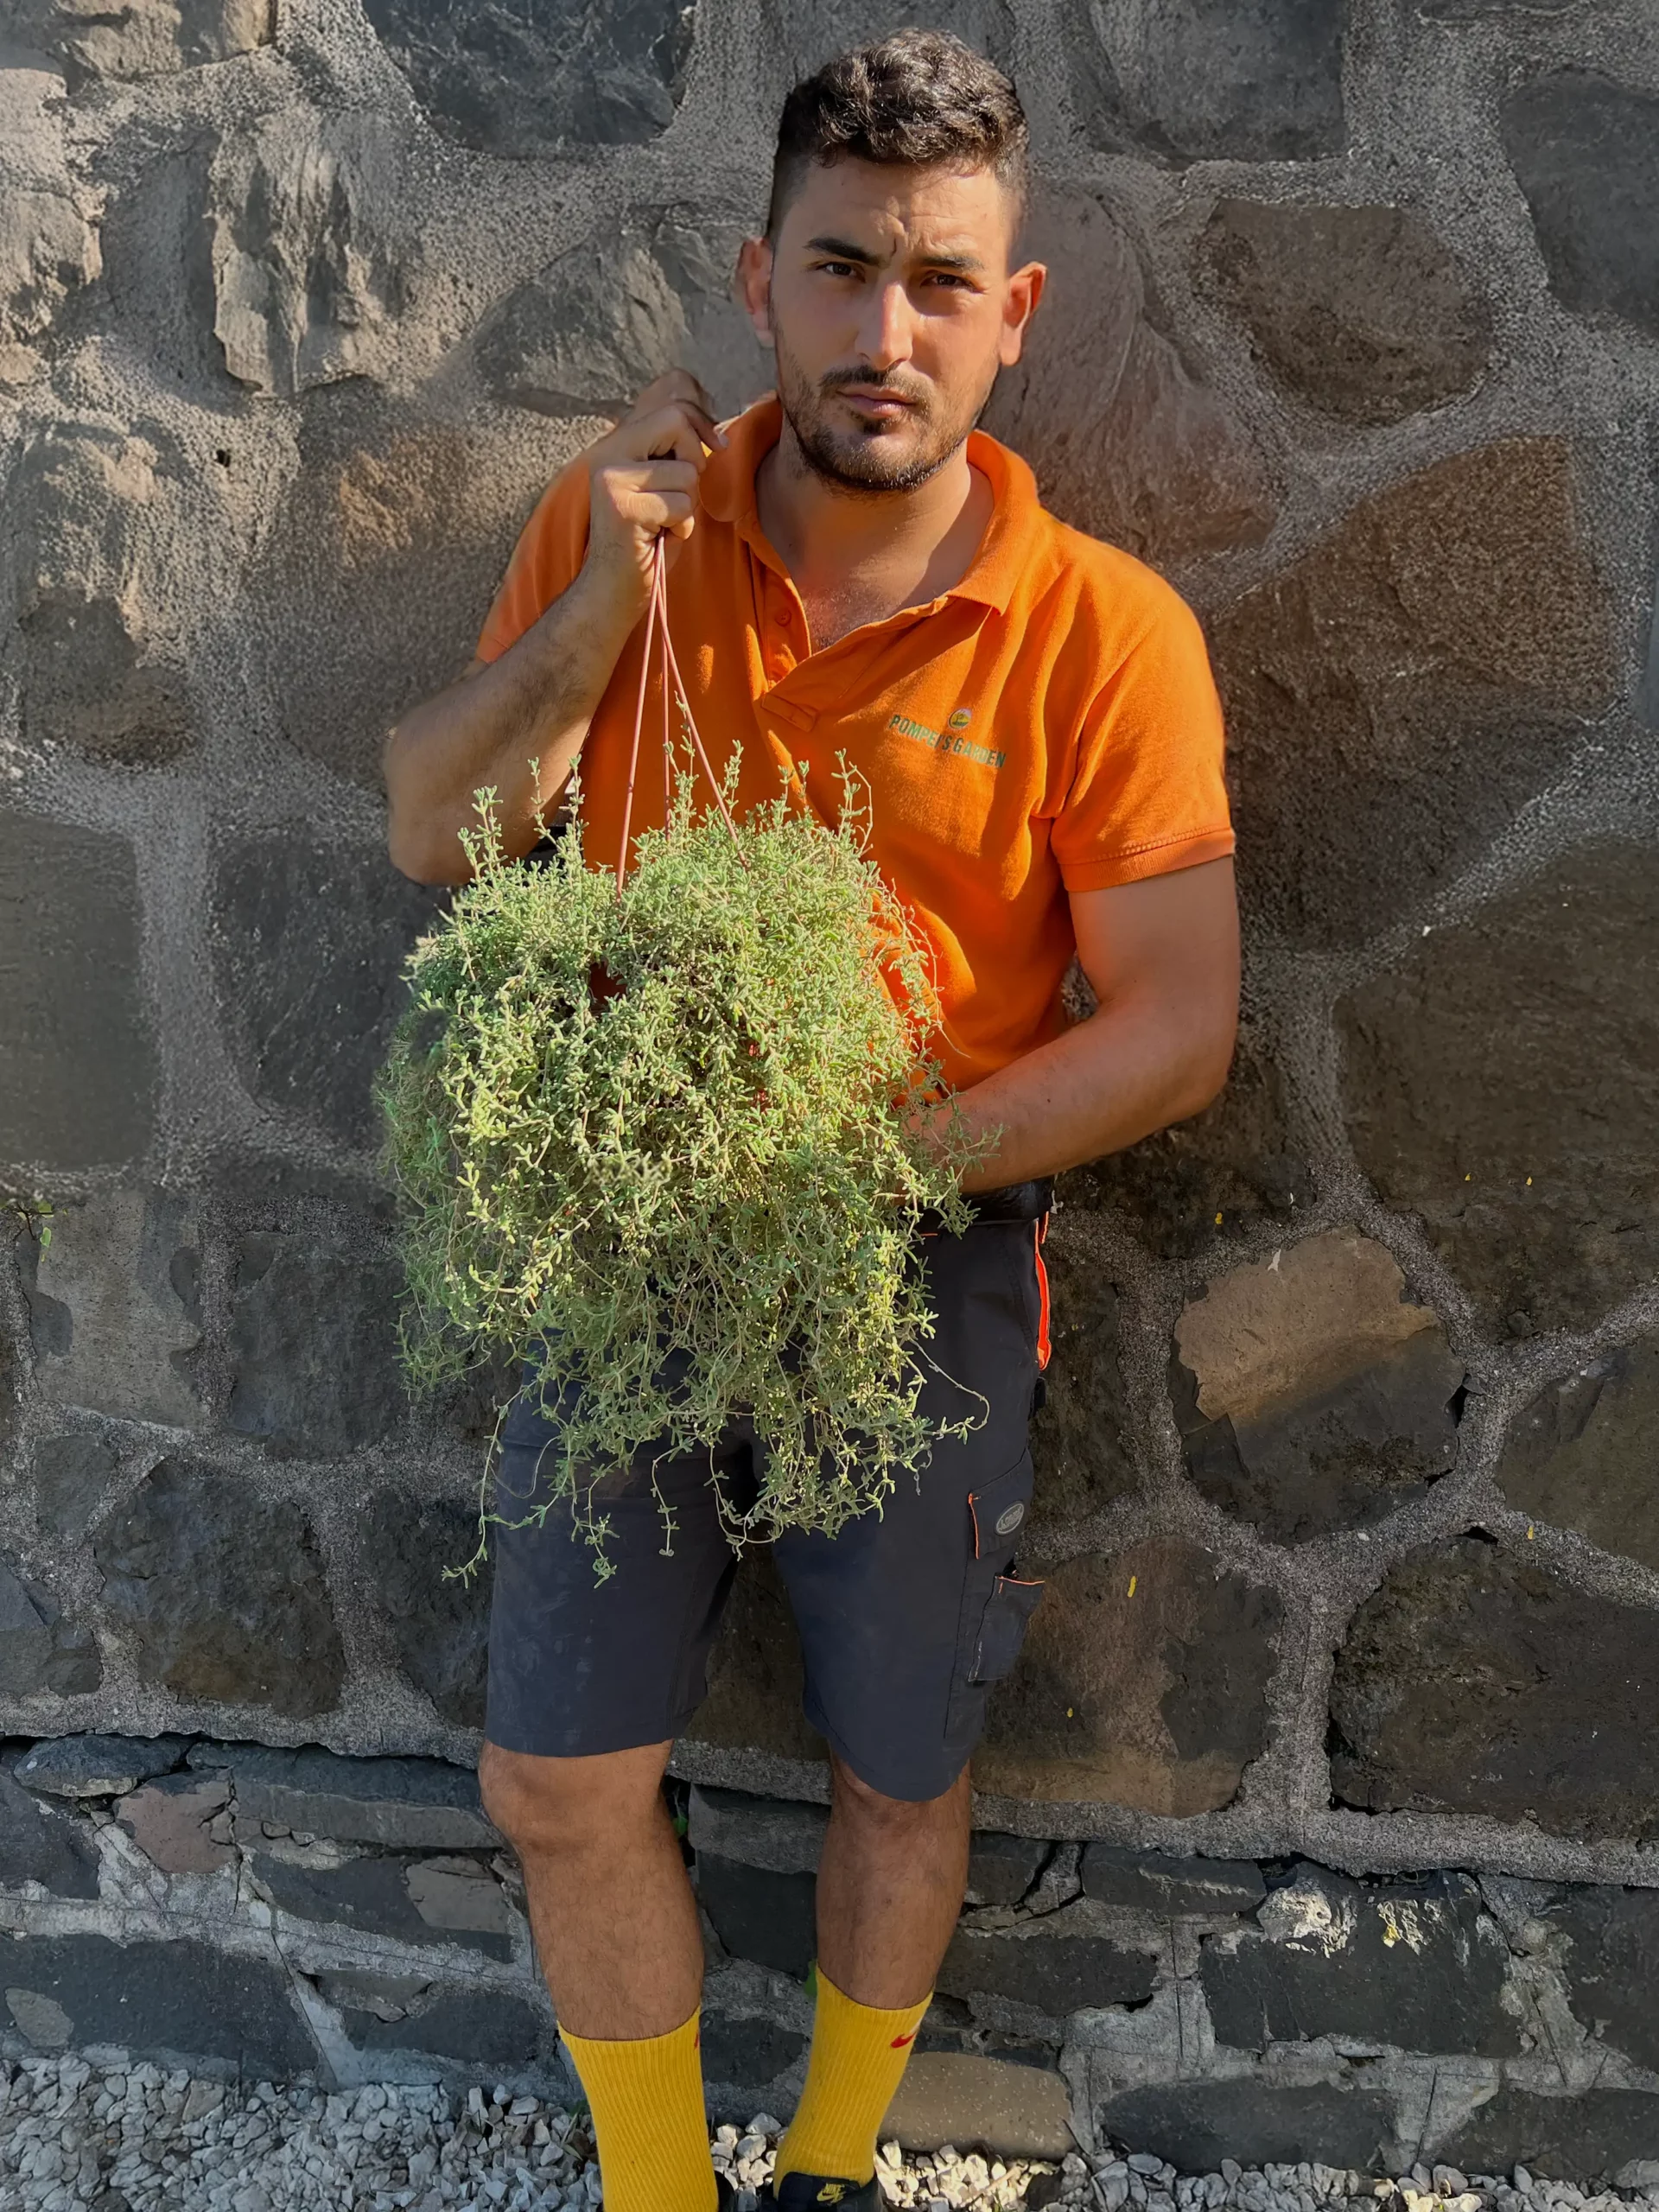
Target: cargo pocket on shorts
<point>1002,1627</point>
<point>996,1603</point>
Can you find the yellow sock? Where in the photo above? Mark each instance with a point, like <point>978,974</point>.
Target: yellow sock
<point>649,2124</point>
<point>858,2059</point>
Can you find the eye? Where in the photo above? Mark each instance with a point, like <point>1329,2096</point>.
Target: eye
<point>836,269</point>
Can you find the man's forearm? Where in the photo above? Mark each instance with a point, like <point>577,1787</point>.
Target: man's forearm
<point>533,704</point>
<point>1128,1070</point>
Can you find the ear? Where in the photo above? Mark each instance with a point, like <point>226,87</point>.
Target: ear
<point>755,284</point>
<point>1019,305</point>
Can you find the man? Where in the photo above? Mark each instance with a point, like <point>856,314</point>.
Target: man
<point>856,571</point>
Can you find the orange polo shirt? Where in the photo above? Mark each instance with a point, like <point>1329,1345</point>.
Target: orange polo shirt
<point>1048,725</point>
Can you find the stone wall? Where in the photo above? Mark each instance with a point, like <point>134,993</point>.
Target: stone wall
<point>1350,1659</point>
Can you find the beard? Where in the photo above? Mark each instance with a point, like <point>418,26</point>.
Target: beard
<point>876,457</point>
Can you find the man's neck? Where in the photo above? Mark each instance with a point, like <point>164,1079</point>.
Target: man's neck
<point>858,556</point>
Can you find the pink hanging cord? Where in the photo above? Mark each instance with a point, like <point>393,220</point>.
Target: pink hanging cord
<point>674,694</point>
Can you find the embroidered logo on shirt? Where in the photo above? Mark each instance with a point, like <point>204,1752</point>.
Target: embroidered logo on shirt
<point>950,739</point>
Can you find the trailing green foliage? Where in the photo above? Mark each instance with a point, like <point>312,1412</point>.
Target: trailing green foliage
<point>678,1120</point>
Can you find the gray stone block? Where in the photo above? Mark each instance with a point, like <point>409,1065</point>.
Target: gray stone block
<point>387,1996</point>
<point>149,38</point>
<point>1152,1881</point>
<point>766,1916</point>
<point>377,1895</point>
<point>1235,1160</point>
<point>1002,1868</point>
<point>1196,81</point>
<point>409,1804</point>
<point>38,1845</point>
<point>1611,1964</point>
<point>39,1649</point>
<point>92,505</point>
<point>180,2002</point>
<point>1142,1682</point>
<point>1474,1681</point>
<point>72,1477</point>
<point>439,1623</point>
<point>478,2027</point>
<point>308,948</point>
<point>747,2053</point>
<point>180,1822</point>
<point>651,290</point>
<point>783,1837</point>
<point>1054,1973</point>
<point>1313,1393</point>
<point>1585,2138</point>
<point>98,1766</point>
<point>797,37</point>
<point>1416,1964</point>
<point>1195,2125</point>
<point>49,234</point>
<point>1146,451</point>
<point>1397,692</point>
<point>25,1636</point>
<point>1503,1083</point>
<point>1583,1453</point>
<point>77,1078</point>
<point>376,568</point>
<point>1362,311</point>
<point>974,2102</point>
<point>525,81</point>
<point>311,286</point>
<point>313,1346</point>
<point>115,1307</point>
<point>1079,1448</point>
<point>222,1594</point>
<point>1585,150</point>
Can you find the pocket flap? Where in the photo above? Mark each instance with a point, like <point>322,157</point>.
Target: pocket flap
<point>1010,1605</point>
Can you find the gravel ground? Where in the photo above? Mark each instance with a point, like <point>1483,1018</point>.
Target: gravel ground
<point>135,2139</point>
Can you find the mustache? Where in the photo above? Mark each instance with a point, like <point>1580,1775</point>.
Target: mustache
<point>874,380</point>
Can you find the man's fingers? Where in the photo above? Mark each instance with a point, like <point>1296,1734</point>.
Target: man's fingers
<point>678,428</point>
<point>623,479</point>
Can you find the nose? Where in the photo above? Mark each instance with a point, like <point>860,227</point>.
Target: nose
<point>887,327</point>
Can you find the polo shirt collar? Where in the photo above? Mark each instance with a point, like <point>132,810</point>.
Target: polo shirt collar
<point>728,495</point>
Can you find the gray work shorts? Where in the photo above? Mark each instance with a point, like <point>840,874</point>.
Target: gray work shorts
<point>906,1619</point>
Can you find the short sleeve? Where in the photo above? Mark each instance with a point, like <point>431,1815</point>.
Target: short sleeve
<point>546,561</point>
<point>1149,793</point>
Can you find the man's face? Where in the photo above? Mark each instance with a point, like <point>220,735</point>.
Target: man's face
<point>888,300</point>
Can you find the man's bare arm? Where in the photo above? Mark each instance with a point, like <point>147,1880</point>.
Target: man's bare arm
<point>536,702</point>
<point>1162,958</point>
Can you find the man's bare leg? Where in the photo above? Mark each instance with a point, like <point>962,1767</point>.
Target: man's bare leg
<point>613,1914</point>
<point>616,1932</point>
<point>890,1886</point>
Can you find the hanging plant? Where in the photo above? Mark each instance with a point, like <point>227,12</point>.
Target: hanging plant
<point>654,1134</point>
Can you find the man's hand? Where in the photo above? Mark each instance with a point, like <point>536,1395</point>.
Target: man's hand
<point>1161,957</point>
<point>538,701</point>
<point>643,483</point>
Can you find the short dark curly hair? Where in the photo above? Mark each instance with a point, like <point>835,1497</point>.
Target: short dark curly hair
<point>914,99</point>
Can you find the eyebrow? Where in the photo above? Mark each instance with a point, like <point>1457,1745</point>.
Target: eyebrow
<point>967,264</point>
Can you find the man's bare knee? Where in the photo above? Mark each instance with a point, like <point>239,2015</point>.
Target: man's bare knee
<point>857,1800</point>
<point>559,1805</point>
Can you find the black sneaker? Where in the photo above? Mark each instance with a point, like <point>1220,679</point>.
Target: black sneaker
<point>822,2193</point>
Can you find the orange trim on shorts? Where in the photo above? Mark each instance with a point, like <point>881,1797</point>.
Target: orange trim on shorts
<point>1044,1347</point>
